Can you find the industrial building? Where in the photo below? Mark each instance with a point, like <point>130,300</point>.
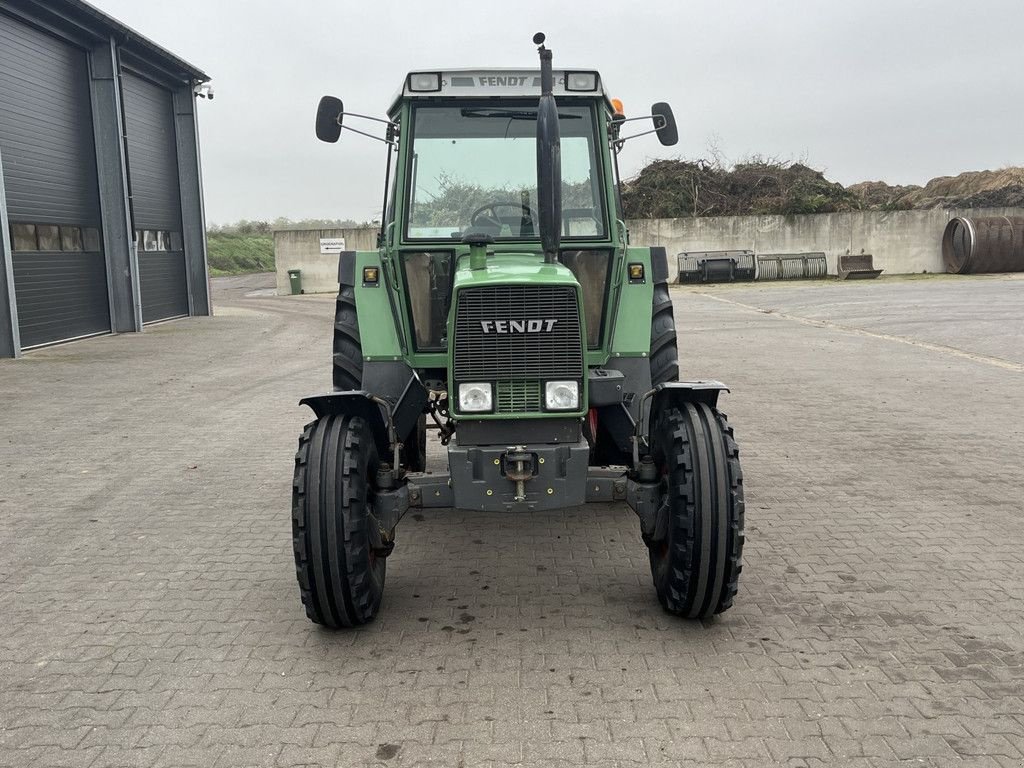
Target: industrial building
<point>101,208</point>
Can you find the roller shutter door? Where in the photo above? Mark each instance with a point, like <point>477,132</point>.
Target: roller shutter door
<point>49,169</point>
<point>156,201</point>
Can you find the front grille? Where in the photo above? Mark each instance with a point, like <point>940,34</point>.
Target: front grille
<point>518,397</point>
<point>517,362</point>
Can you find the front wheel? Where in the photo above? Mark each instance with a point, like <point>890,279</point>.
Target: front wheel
<point>339,555</point>
<point>697,562</point>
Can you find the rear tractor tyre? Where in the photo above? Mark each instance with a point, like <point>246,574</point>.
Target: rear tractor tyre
<point>696,565</point>
<point>348,350</point>
<point>663,360</point>
<point>348,373</point>
<point>664,354</point>
<point>339,555</point>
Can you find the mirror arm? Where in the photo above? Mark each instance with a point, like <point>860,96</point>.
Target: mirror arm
<point>655,118</point>
<point>392,127</point>
<point>643,117</point>
<point>368,117</point>
<point>624,139</point>
<point>391,142</point>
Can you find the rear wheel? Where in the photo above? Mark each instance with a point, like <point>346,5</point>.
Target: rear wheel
<point>696,564</point>
<point>348,373</point>
<point>339,555</point>
<point>664,363</point>
<point>664,355</point>
<point>348,351</point>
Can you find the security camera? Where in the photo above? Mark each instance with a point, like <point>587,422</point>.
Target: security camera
<point>204,91</point>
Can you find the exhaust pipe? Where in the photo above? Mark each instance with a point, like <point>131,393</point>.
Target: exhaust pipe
<point>549,159</point>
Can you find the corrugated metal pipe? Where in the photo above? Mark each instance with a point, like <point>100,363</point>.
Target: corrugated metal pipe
<point>984,244</point>
<point>791,266</point>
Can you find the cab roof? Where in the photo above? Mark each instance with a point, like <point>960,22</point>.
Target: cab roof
<point>500,83</point>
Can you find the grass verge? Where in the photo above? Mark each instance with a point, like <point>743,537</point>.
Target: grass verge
<point>237,254</point>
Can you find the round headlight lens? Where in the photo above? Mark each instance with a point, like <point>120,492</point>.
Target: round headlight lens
<point>475,398</point>
<point>562,395</point>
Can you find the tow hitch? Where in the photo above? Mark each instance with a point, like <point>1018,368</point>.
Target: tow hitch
<point>519,465</point>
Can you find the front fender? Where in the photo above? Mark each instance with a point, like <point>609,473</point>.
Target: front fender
<point>678,392</point>
<point>667,395</point>
<point>393,394</point>
<point>354,403</point>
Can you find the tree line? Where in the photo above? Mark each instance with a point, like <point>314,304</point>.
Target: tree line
<point>263,227</point>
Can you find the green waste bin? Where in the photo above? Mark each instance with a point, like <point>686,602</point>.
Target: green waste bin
<point>295,280</point>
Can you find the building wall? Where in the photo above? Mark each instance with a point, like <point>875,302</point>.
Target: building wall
<point>103,52</point>
<point>300,249</point>
<point>902,242</point>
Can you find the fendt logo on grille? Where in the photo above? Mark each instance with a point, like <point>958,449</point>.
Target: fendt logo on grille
<point>517,326</point>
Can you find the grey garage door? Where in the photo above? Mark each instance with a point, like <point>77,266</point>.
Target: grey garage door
<point>156,201</point>
<point>49,169</point>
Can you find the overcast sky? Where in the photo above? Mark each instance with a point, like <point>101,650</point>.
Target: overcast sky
<point>872,89</point>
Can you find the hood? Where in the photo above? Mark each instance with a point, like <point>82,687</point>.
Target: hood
<point>513,268</point>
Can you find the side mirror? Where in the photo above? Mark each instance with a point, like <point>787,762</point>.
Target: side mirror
<point>664,124</point>
<point>328,119</point>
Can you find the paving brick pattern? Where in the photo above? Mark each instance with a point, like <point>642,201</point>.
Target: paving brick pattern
<point>149,614</point>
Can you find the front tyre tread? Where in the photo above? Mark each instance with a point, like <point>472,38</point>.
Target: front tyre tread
<point>696,568</point>
<point>340,575</point>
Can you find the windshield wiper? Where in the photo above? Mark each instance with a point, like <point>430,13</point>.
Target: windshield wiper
<point>511,114</point>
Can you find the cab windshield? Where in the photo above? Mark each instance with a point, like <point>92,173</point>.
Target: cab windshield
<point>474,166</point>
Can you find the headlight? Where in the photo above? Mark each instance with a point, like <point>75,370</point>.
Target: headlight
<point>581,81</point>
<point>562,396</point>
<point>424,82</point>
<point>475,398</point>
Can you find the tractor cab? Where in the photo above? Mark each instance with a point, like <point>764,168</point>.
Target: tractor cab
<point>462,161</point>
<point>505,310</point>
<point>473,154</point>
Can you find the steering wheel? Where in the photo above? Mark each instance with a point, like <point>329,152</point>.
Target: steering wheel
<point>487,216</point>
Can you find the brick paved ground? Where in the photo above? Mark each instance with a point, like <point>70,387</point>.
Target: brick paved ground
<point>149,613</point>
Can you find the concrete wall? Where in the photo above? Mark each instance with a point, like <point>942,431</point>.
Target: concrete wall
<point>300,249</point>
<point>902,242</point>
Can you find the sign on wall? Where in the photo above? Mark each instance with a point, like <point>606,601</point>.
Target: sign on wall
<point>332,244</point>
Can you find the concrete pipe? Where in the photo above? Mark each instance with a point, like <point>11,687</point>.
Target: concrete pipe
<point>985,244</point>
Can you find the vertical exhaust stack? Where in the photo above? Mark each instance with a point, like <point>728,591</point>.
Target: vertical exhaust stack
<point>549,159</point>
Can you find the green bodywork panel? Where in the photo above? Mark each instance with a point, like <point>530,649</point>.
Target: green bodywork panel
<point>632,332</point>
<point>378,332</point>
<point>512,269</point>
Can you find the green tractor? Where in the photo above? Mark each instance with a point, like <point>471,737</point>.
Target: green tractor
<point>505,309</point>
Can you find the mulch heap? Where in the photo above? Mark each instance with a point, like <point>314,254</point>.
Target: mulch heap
<point>682,188</point>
